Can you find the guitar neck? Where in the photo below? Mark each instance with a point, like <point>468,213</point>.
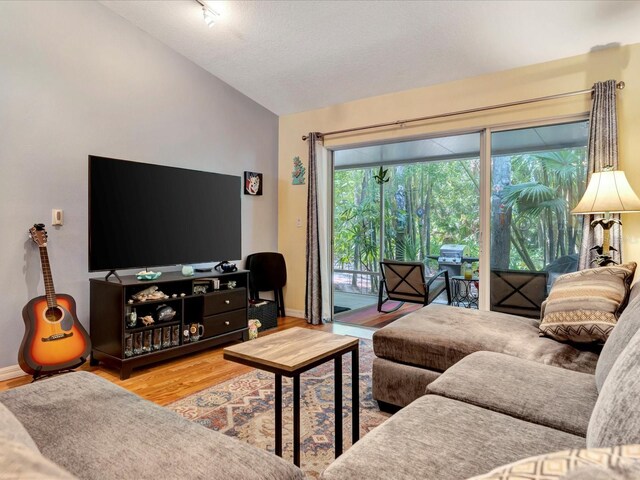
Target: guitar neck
<point>48,279</point>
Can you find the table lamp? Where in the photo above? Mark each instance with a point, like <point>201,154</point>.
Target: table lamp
<point>608,192</point>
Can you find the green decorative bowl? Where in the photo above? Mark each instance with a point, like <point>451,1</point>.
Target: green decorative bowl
<point>148,276</point>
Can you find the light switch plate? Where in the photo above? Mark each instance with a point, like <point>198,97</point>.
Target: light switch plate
<point>57,217</point>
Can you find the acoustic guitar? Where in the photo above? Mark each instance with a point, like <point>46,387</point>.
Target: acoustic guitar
<point>54,339</point>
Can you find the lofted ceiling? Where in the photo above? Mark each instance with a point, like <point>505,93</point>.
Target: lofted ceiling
<point>292,56</point>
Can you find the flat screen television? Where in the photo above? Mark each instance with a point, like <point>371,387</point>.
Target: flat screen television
<point>145,215</point>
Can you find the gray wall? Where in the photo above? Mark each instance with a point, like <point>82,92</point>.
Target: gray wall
<point>76,79</point>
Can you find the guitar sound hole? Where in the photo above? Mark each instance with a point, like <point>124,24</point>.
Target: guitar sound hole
<point>53,314</point>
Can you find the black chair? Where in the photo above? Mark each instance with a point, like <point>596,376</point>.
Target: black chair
<point>519,292</point>
<point>267,272</point>
<point>405,282</point>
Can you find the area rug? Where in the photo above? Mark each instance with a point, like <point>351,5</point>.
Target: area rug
<point>243,408</point>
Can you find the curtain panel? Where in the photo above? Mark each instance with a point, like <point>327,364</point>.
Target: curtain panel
<point>317,305</point>
<point>603,151</point>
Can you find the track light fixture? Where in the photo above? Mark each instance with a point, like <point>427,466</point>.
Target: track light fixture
<point>208,13</point>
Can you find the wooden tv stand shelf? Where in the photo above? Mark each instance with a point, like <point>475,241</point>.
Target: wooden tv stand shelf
<point>222,313</point>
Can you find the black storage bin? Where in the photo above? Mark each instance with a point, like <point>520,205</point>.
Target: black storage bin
<point>267,314</point>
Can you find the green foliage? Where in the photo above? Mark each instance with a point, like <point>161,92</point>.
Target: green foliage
<point>544,187</point>
<point>357,220</point>
<point>382,176</point>
<point>533,198</point>
<point>527,194</point>
<point>429,204</point>
<point>407,249</point>
<point>566,166</point>
<point>425,206</point>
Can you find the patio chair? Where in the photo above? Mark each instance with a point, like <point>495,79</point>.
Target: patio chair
<point>519,292</point>
<point>405,282</point>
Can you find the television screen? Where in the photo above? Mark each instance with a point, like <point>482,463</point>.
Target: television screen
<point>144,215</point>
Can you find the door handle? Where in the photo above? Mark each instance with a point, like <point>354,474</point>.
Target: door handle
<point>227,302</point>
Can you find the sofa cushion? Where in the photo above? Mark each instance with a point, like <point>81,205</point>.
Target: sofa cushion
<point>97,430</point>
<point>616,415</point>
<point>18,461</point>
<point>587,464</point>
<point>584,306</point>
<point>399,384</point>
<point>438,336</point>
<point>628,324</point>
<point>550,396</point>
<point>12,430</point>
<point>439,438</point>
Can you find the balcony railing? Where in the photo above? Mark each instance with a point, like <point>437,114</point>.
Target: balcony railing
<point>356,281</point>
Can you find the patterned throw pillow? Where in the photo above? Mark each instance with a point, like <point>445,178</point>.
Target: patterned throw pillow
<point>577,463</point>
<point>584,306</point>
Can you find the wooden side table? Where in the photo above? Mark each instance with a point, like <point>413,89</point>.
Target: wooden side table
<point>293,352</point>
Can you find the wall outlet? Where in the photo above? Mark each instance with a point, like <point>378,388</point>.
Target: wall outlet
<point>57,217</point>
<point>298,222</point>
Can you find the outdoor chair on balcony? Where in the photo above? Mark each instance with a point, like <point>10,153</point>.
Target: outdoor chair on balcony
<point>405,282</point>
<point>519,292</point>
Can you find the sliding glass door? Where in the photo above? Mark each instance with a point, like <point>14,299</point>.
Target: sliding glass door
<point>430,204</point>
<point>402,201</point>
<point>356,238</point>
<point>537,176</point>
<point>418,199</point>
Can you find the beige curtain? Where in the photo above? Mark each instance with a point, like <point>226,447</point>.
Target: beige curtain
<point>603,151</point>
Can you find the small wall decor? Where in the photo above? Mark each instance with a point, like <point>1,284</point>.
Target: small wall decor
<point>298,172</point>
<point>252,183</point>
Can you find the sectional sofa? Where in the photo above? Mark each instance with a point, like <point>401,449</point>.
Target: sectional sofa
<point>491,409</point>
<point>415,350</point>
<point>487,409</point>
<point>78,425</point>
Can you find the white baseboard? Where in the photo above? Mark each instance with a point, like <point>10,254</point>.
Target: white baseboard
<point>294,313</point>
<point>12,371</point>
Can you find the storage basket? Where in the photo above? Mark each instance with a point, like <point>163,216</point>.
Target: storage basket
<point>267,314</point>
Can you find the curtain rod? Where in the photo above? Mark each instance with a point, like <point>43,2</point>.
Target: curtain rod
<point>619,86</point>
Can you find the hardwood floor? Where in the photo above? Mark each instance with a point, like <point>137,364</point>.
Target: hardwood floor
<point>172,380</point>
<point>370,317</point>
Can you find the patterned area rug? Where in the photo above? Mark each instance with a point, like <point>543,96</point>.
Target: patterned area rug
<point>243,408</point>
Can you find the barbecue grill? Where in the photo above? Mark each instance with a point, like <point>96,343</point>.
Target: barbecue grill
<point>451,258</point>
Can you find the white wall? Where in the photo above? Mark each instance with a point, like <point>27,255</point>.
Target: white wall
<point>76,79</point>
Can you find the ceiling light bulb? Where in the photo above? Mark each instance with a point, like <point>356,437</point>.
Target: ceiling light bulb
<point>209,16</point>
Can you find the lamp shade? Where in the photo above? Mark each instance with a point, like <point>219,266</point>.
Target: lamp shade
<point>608,192</point>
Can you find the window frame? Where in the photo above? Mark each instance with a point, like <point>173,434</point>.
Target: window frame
<point>485,183</point>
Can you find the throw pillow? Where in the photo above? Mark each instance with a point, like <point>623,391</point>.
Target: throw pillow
<point>584,306</point>
<point>584,464</point>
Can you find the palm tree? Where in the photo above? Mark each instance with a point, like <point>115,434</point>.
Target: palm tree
<point>543,204</point>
